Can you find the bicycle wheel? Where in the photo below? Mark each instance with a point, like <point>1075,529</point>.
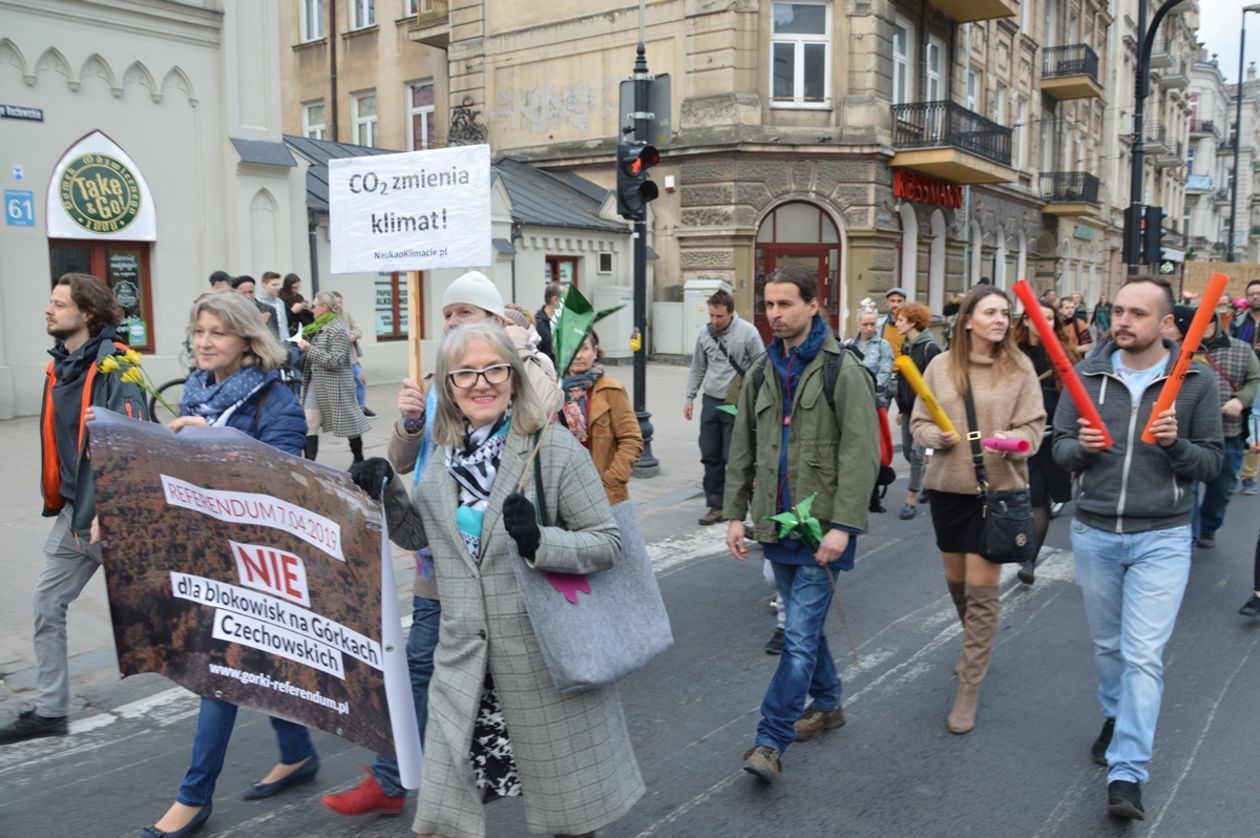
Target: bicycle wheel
<point>173,393</point>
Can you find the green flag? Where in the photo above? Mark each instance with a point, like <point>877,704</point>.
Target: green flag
<point>571,324</point>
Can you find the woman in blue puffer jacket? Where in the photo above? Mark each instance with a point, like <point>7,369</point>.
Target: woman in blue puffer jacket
<point>237,385</point>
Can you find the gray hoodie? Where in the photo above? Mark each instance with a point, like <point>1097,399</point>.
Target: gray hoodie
<point>1133,486</point>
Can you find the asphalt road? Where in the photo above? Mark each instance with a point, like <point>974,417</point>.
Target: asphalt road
<point>893,770</point>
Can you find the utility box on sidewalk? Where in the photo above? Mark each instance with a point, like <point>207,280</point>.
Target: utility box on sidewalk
<point>615,329</point>
<point>696,292</point>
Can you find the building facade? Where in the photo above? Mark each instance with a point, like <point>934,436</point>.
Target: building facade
<point>351,72</point>
<point>913,143</point>
<point>142,145</point>
<point>1247,223</point>
<point>1166,129</point>
<point>1208,173</point>
<point>375,75</point>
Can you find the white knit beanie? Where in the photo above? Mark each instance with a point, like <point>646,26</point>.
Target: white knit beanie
<point>475,289</point>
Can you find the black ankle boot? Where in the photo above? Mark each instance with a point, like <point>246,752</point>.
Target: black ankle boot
<point>311,447</point>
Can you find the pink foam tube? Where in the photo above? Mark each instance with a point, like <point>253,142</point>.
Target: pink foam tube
<point>1020,446</point>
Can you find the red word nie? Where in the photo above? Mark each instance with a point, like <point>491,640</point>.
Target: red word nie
<point>272,571</point>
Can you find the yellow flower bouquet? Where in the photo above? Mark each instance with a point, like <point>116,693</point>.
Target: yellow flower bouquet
<point>128,366</point>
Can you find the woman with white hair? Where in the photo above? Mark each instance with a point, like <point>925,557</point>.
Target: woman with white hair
<point>877,353</point>
<point>497,724</point>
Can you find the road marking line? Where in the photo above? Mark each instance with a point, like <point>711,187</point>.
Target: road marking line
<point>1194,752</point>
<point>703,797</point>
<point>164,708</point>
<point>1053,567</point>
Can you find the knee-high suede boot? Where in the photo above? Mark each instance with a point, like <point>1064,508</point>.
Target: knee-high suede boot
<point>979,628</point>
<point>310,448</point>
<point>356,448</point>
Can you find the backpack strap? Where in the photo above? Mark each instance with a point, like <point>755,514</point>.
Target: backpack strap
<point>831,375</point>
<point>262,397</point>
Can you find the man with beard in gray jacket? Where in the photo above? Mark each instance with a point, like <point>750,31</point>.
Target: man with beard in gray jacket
<point>1131,534</point>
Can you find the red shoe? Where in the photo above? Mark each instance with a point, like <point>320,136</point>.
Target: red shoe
<point>367,798</point>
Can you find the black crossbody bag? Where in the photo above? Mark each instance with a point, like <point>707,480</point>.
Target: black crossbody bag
<point>1008,524</point>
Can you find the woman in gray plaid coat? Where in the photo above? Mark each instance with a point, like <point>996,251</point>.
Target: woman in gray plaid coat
<point>497,725</point>
<point>328,395</point>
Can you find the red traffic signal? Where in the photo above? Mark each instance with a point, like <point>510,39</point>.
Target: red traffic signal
<point>634,189</point>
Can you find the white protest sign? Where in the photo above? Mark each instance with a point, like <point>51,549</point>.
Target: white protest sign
<point>414,211</point>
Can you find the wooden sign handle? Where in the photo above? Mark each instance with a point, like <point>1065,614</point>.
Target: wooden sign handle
<point>413,325</point>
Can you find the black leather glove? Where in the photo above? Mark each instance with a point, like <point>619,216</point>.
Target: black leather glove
<point>521,522</point>
<point>371,475</point>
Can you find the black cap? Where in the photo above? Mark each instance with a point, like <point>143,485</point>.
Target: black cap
<point>1183,315</point>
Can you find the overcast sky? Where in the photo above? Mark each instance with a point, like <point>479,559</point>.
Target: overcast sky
<point>1218,29</point>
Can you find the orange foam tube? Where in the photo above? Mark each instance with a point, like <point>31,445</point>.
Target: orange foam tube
<point>1189,346</point>
<point>1058,357</point>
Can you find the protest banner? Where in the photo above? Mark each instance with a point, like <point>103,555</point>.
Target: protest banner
<point>249,575</point>
<point>414,211</point>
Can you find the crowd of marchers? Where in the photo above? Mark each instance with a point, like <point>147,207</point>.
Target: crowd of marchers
<point>790,425</point>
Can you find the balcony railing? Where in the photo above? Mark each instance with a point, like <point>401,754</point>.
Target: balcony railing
<point>1072,60</point>
<point>433,12</point>
<point>1176,75</point>
<point>432,24</point>
<point>1157,141</point>
<point>1069,187</point>
<point>944,123</point>
<point>1202,126</point>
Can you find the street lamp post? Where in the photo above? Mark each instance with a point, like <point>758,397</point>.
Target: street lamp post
<point>1233,198</point>
<point>1133,218</point>
<point>647,465</point>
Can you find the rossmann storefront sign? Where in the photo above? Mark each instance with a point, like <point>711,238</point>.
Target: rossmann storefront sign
<point>920,189</point>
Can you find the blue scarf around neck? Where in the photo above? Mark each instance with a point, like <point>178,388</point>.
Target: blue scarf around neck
<point>210,399</point>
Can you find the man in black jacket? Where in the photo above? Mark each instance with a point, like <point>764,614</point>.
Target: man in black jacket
<point>542,319</point>
<point>81,316</point>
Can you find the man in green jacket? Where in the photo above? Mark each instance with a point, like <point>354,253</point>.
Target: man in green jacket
<point>793,441</point>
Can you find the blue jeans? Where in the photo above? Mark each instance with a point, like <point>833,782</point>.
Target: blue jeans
<point>421,641</point>
<point>360,389</point>
<point>806,667</point>
<point>1132,584</point>
<point>1210,514</point>
<point>214,729</point>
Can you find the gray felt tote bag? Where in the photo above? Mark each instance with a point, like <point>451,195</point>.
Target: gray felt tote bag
<point>591,639</point>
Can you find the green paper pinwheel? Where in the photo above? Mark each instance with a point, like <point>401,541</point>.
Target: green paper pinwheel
<point>799,520</point>
<point>572,322</point>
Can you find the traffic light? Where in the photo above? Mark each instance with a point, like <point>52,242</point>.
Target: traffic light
<point>1152,234</point>
<point>634,188</point>
<point>1133,229</point>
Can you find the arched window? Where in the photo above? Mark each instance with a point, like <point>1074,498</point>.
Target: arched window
<point>798,233</point>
